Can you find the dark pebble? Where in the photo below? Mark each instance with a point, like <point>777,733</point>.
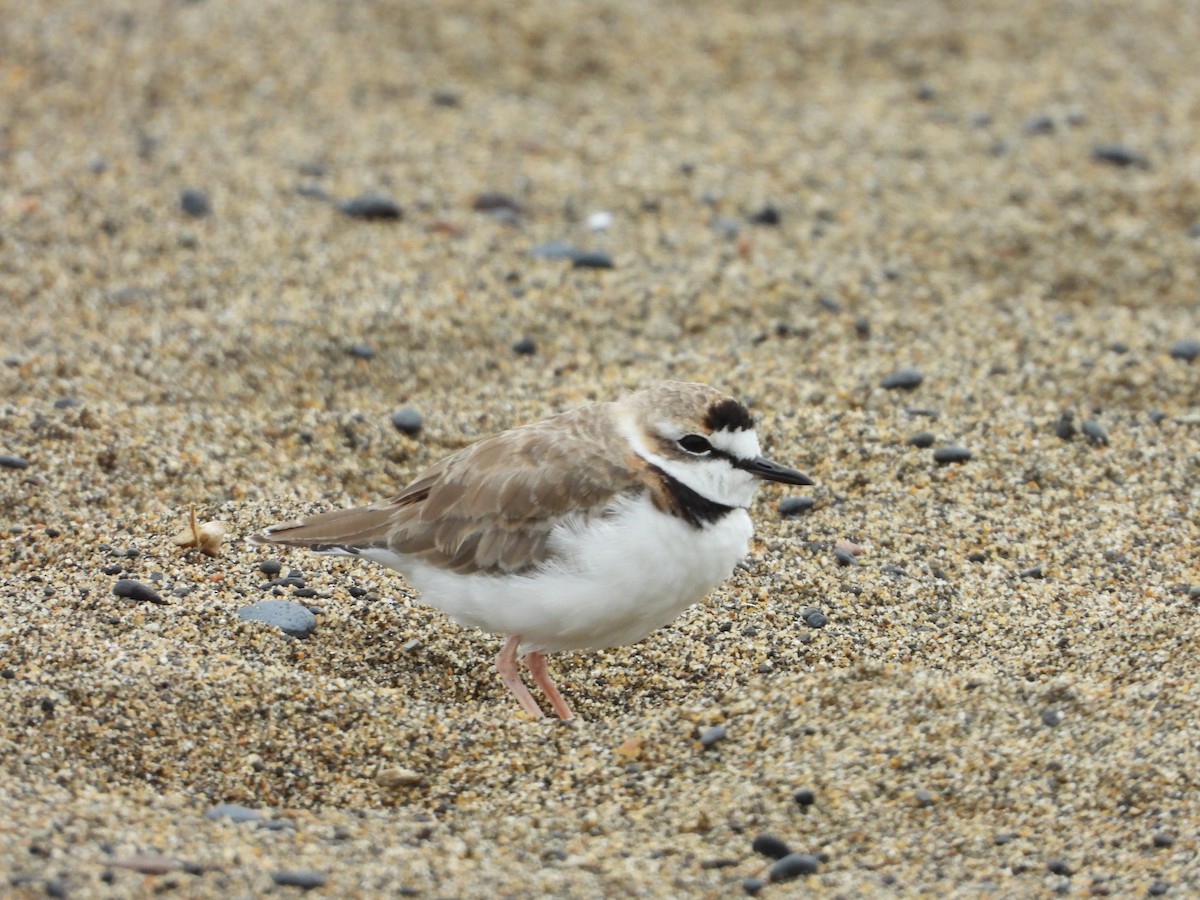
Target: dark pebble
<point>291,618</point>
<point>297,574</point>
<point>304,593</point>
<point>56,887</point>
<point>1039,125</point>
<point>1119,155</point>
<point>356,592</point>
<point>1186,349</point>
<point>493,201</point>
<point>829,304</point>
<point>136,591</point>
<point>361,351</point>
<point>770,846</point>
<point>525,347</point>
<point>407,420</point>
<point>447,97</point>
<point>555,250</point>
<point>923,412</point>
<point>1118,347</point>
<point>752,885</point>
<point>804,797</point>
<point>1052,717</point>
<point>721,862</point>
<point>945,455</point>
<point>1158,888</point>
<point>234,812</point>
<point>814,618</point>
<point>1059,867</point>
<point>710,737</point>
<point>977,557</point>
<point>373,207</point>
<point>862,327</point>
<point>66,403</point>
<point>195,204</point>
<point>284,582</point>
<point>903,380</point>
<point>793,506</point>
<point>1065,426</point>
<point>768,215</point>
<point>1032,572</point>
<point>270,567</point>
<point>922,439</point>
<point>301,878</point>
<point>13,462</point>
<point>1162,839</point>
<point>793,866</point>
<point>592,259</point>
<point>845,557</point>
<point>1095,433</point>
<point>113,569</point>
<point>1004,837</point>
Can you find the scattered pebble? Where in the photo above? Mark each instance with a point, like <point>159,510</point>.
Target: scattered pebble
<point>924,797</point>
<point>770,846</point>
<point>525,347</point>
<point>301,878</point>
<point>1040,124</point>
<point>234,812</point>
<point>1065,426</point>
<point>136,591</point>
<point>555,250</point>
<point>1036,571</point>
<point>1162,839</point>
<point>1059,867</point>
<point>922,439</point>
<point>291,618</point>
<point>372,207</point>
<point>845,557</point>
<point>270,567</point>
<point>397,777</point>
<point>195,203</point>
<point>768,215</point>
<point>804,797</point>
<point>496,201</point>
<point>1095,433</point>
<point>1187,349</point>
<point>1119,155</point>
<point>600,221</point>
<point>753,885</point>
<point>361,351</point>
<point>8,461</point>
<point>944,456</point>
<point>903,380</point>
<point>793,866</point>
<point>710,737</point>
<point>1052,717</point>
<point>145,863</point>
<point>407,420</point>
<point>592,259</point>
<point>794,506</point>
<point>813,618</point>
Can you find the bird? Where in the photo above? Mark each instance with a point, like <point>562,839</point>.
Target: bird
<point>586,530</point>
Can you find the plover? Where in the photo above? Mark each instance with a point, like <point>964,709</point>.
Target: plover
<point>586,530</point>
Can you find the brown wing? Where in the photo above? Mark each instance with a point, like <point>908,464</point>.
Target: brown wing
<point>492,506</point>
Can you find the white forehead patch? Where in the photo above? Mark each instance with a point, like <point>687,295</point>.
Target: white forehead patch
<point>738,444</point>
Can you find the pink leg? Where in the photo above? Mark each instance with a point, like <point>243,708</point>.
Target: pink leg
<point>506,665</point>
<point>537,668</point>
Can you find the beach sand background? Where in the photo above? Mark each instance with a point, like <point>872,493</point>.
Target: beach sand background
<point>1004,196</point>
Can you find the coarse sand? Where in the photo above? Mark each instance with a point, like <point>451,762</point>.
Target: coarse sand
<point>997,694</point>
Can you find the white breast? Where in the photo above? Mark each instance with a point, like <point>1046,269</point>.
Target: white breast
<point>619,578</point>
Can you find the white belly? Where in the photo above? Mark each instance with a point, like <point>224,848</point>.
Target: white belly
<point>621,578</point>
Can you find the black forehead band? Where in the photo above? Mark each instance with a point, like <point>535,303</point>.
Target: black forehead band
<point>728,414</point>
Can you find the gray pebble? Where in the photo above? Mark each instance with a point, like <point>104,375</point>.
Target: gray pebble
<point>592,259</point>
<point>813,618</point>
<point>793,866</point>
<point>945,455</point>
<point>1119,155</point>
<point>1041,124</point>
<point>555,250</point>
<point>1162,839</point>
<point>726,227</point>
<point>136,591</point>
<point>1032,572</point>
<point>195,203</point>
<point>234,812</point>
<point>270,567</point>
<point>9,461</point>
<point>495,201</point>
<point>1052,717</point>
<point>768,215</point>
<point>922,439</point>
<point>710,737</point>
<point>845,557</point>
<point>1065,426</point>
<point>924,797</point>
<point>525,347</point>
<point>1059,867</point>
<point>407,420</point>
<point>361,351</point>
<point>793,506</point>
<point>372,207</point>
<point>752,885</point>
<point>770,846</point>
<point>1187,349</point>
<point>1095,434</point>
<point>291,618</point>
<point>903,380</point>
<point>301,878</point>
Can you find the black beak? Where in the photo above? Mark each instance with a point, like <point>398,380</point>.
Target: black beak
<point>772,471</point>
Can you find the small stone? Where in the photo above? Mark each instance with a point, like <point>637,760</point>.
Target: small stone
<point>407,420</point>
<point>555,250</point>
<point>793,866</point>
<point>829,304</point>
<point>1004,837</point>
<point>903,380</point>
<point>923,797</point>
<point>862,327</point>
<point>1065,426</point>
<point>804,797</point>
<point>813,618</point>
<point>112,569</point>
<point>770,846</point>
<point>56,887</point>
<point>726,227</point>
<point>794,506</point>
<point>1059,867</point>
<point>768,215</point>
<point>8,461</point>
<point>270,567</point>
<point>922,412</point>
<point>922,440</point>
<point>1119,155</point>
<point>66,403</point>
<point>372,207</point>
<point>1037,571</point>
<point>525,347</point>
<point>1158,888</point>
<point>495,201</point>
<point>944,456</point>
<point>592,259</point>
<point>306,879</point>
<point>1162,839</point>
<point>291,618</point>
<point>145,863</point>
<point>1042,124</point>
<point>447,97</point>
<point>710,737</point>
<point>195,203</point>
<point>753,886</point>
<point>361,351</point>
<point>845,557</point>
<point>1052,717</point>
<point>234,812</point>
<point>136,591</point>
<point>600,221</point>
<point>1095,433</point>
<point>1187,349</point>
<point>397,777</point>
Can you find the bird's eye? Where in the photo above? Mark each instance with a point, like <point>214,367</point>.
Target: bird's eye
<point>694,443</point>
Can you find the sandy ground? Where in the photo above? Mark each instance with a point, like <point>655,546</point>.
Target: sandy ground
<point>1004,698</point>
